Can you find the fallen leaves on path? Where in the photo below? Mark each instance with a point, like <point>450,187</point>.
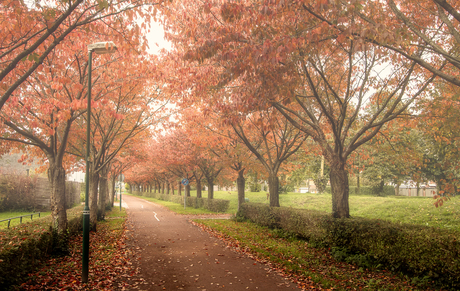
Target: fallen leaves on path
<point>110,264</point>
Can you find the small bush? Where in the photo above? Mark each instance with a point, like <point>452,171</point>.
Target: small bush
<point>255,187</point>
<point>19,259</point>
<point>215,205</point>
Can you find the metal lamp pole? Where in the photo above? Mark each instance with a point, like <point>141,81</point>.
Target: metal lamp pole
<point>99,48</point>
<point>121,180</point>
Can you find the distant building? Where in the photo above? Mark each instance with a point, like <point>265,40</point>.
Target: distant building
<point>307,186</point>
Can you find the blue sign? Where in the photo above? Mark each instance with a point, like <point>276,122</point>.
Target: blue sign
<point>184,182</point>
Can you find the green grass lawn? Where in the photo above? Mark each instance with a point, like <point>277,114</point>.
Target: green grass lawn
<point>16,221</point>
<point>415,210</point>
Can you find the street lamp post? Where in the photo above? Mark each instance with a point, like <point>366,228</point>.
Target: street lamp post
<point>99,48</point>
<point>121,178</point>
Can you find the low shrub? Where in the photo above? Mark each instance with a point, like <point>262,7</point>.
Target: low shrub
<point>418,251</point>
<point>24,255</point>
<point>255,187</point>
<point>215,205</point>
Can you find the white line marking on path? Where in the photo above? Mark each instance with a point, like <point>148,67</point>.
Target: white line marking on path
<point>156,216</point>
<point>142,205</point>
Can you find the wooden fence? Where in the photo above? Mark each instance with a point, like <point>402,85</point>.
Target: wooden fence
<point>43,193</point>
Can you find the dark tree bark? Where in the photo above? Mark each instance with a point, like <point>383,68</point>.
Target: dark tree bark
<point>56,176</point>
<point>340,190</point>
<point>240,182</point>
<point>273,189</point>
<point>113,190</point>
<point>103,188</point>
<point>210,190</point>
<point>198,188</point>
<point>93,194</point>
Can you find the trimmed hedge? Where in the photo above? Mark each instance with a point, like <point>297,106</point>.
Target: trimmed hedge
<point>430,254</point>
<point>18,261</point>
<point>215,205</point>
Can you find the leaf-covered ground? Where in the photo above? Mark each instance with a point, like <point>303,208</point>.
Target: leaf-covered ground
<point>110,263</point>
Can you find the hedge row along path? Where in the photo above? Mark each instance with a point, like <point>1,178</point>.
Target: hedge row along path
<point>174,254</point>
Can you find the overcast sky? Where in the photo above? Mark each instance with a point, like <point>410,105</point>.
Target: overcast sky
<point>156,36</point>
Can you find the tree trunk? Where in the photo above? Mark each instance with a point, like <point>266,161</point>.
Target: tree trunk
<point>180,188</point>
<point>340,191</point>
<point>56,176</point>
<point>210,189</point>
<point>163,188</point>
<point>198,188</point>
<point>113,190</point>
<point>358,189</point>
<point>167,188</point>
<point>273,188</point>
<point>240,182</point>
<point>172,188</point>
<point>103,190</point>
<point>187,190</point>
<point>93,193</point>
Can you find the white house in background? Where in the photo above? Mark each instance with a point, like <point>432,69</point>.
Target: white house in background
<point>307,186</point>
<point>409,188</point>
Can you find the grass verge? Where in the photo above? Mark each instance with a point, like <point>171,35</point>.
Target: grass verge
<point>401,209</point>
<point>310,267</point>
<point>17,221</point>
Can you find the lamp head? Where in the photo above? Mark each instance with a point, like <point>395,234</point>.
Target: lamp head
<point>105,47</point>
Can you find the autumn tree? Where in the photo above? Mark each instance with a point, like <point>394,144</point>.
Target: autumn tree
<point>272,140</point>
<point>31,31</point>
<point>41,113</point>
<point>439,135</point>
<point>406,28</point>
<point>239,157</point>
<point>118,166</point>
<point>336,88</point>
<point>129,102</point>
<point>174,153</point>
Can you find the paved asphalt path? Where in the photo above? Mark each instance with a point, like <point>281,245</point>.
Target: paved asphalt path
<point>176,255</point>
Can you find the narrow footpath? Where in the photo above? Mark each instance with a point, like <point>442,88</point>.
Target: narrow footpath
<point>173,254</point>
